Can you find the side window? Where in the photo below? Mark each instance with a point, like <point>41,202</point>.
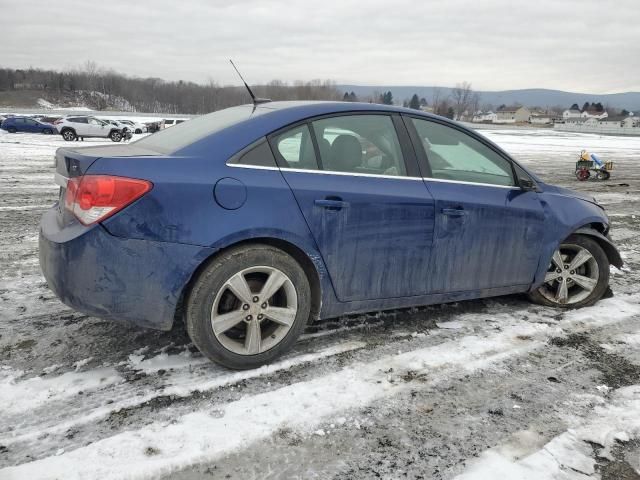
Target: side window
<point>95,121</point>
<point>258,154</point>
<point>19,121</point>
<point>295,149</point>
<point>359,144</point>
<point>454,155</point>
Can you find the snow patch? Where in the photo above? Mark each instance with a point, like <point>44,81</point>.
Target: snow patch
<point>567,456</point>
<point>20,396</point>
<point>212,433</point>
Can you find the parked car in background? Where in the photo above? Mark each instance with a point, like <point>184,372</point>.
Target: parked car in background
<point>27,125</point>
<point>134,127</point>
<point>249,222</point>
<point>49,119</point>
<point>87,127</point>
<point>170,122</point>
<point>116,123</point>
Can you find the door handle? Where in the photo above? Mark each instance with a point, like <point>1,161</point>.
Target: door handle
<point>454,212</point>
<point>331,204</point>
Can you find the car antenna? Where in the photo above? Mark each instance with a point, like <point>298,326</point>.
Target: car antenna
<point>256,101</point>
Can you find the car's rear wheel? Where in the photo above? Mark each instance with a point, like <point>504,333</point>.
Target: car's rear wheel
<point>248,306</point>
<point>69,135</point>
<point>138,131</point>
<point>47,131</point>
<point>578,275</point>
<point>115,136</point>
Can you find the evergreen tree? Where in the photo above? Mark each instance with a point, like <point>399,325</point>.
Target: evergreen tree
<point>451,113</point>
<point>624,112</point>
<point>387,98</point>
<point>574,107</point>
<point>414,102</point>
<point>423,102</point>
<point>585,107</point>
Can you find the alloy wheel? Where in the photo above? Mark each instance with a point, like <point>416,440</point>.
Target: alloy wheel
<point>572,275</point>
<point>254,310</point>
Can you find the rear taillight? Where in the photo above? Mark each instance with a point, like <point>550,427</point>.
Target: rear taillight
<point>94,198</point>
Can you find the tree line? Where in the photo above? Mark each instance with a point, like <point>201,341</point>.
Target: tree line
<point>102,89</point>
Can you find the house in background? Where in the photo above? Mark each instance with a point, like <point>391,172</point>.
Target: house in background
<point>541,117</point>
<point>481,116</point>
<point>513,114</point>
<point>571,113</point>
<point>592,113</point>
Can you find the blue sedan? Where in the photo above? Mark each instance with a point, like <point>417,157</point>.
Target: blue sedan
<point>250,222</point>
<point>27,125</point>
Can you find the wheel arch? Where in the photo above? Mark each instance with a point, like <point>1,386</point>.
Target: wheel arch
<point>299,255</point>
<point>598,232</point>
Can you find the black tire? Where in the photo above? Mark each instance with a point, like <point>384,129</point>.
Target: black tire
<point>69,135</point>
<point>211,281</point>
<point>603,175</point>
<point>602,285</point>
<point>11,130</point>
<point>47,131</point>
<point>115,136</point>
<point>138,131</point>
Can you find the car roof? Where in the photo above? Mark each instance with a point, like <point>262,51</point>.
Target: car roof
<point>320,107</point>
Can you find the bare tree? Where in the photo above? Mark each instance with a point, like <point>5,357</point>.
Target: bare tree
<point>462,97</point>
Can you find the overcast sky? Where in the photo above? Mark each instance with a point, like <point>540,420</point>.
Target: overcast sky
<point>590,46</point>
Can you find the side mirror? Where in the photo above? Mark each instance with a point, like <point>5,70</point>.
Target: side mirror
<point>527,185</point>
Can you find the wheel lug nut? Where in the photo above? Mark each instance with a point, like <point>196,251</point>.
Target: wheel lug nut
<point>245,306</point>
<point>255,299</point>
<point>558,271</point>
<point>559,279</point>
<point>249,318</point>
<point>572,272</point>
<point>566,267</point>
<point>264,305</point>
<point>260,317</point>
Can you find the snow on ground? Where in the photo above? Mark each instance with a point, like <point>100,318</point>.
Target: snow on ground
<point>495,388</point>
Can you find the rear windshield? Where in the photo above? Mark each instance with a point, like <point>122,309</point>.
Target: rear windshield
<point>172,139</point>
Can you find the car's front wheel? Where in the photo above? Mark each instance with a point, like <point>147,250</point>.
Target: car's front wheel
<point>248,306</point>
<point>578,275</point>
<point>115,136</point>
<point>47,131</point>
<point>11,130</point>
<point>69,135</point>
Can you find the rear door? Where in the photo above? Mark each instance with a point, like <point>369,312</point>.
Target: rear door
<point>98,128</point>
<point>488,231</point>
<point>357,184</point>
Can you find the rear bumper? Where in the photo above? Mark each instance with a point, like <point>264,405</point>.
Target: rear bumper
<point>136,281</point>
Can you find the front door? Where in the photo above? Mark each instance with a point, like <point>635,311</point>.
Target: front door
<point>488,231</point>
<point>367,208</point>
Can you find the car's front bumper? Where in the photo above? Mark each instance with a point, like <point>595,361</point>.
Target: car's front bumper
<point>96,273</point>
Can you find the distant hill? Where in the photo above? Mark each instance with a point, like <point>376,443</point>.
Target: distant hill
<point>530,97</point>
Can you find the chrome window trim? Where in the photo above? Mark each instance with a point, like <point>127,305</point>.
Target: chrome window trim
<point>442,180</point>
<point>369,175</point>
<point>350,174</point>
<point>60,180</point>
<point>256,167</point>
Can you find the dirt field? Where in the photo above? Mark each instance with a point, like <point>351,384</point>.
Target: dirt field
<point>494,388</point>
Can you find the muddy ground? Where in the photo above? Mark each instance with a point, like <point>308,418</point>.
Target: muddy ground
<point>436,391</point>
